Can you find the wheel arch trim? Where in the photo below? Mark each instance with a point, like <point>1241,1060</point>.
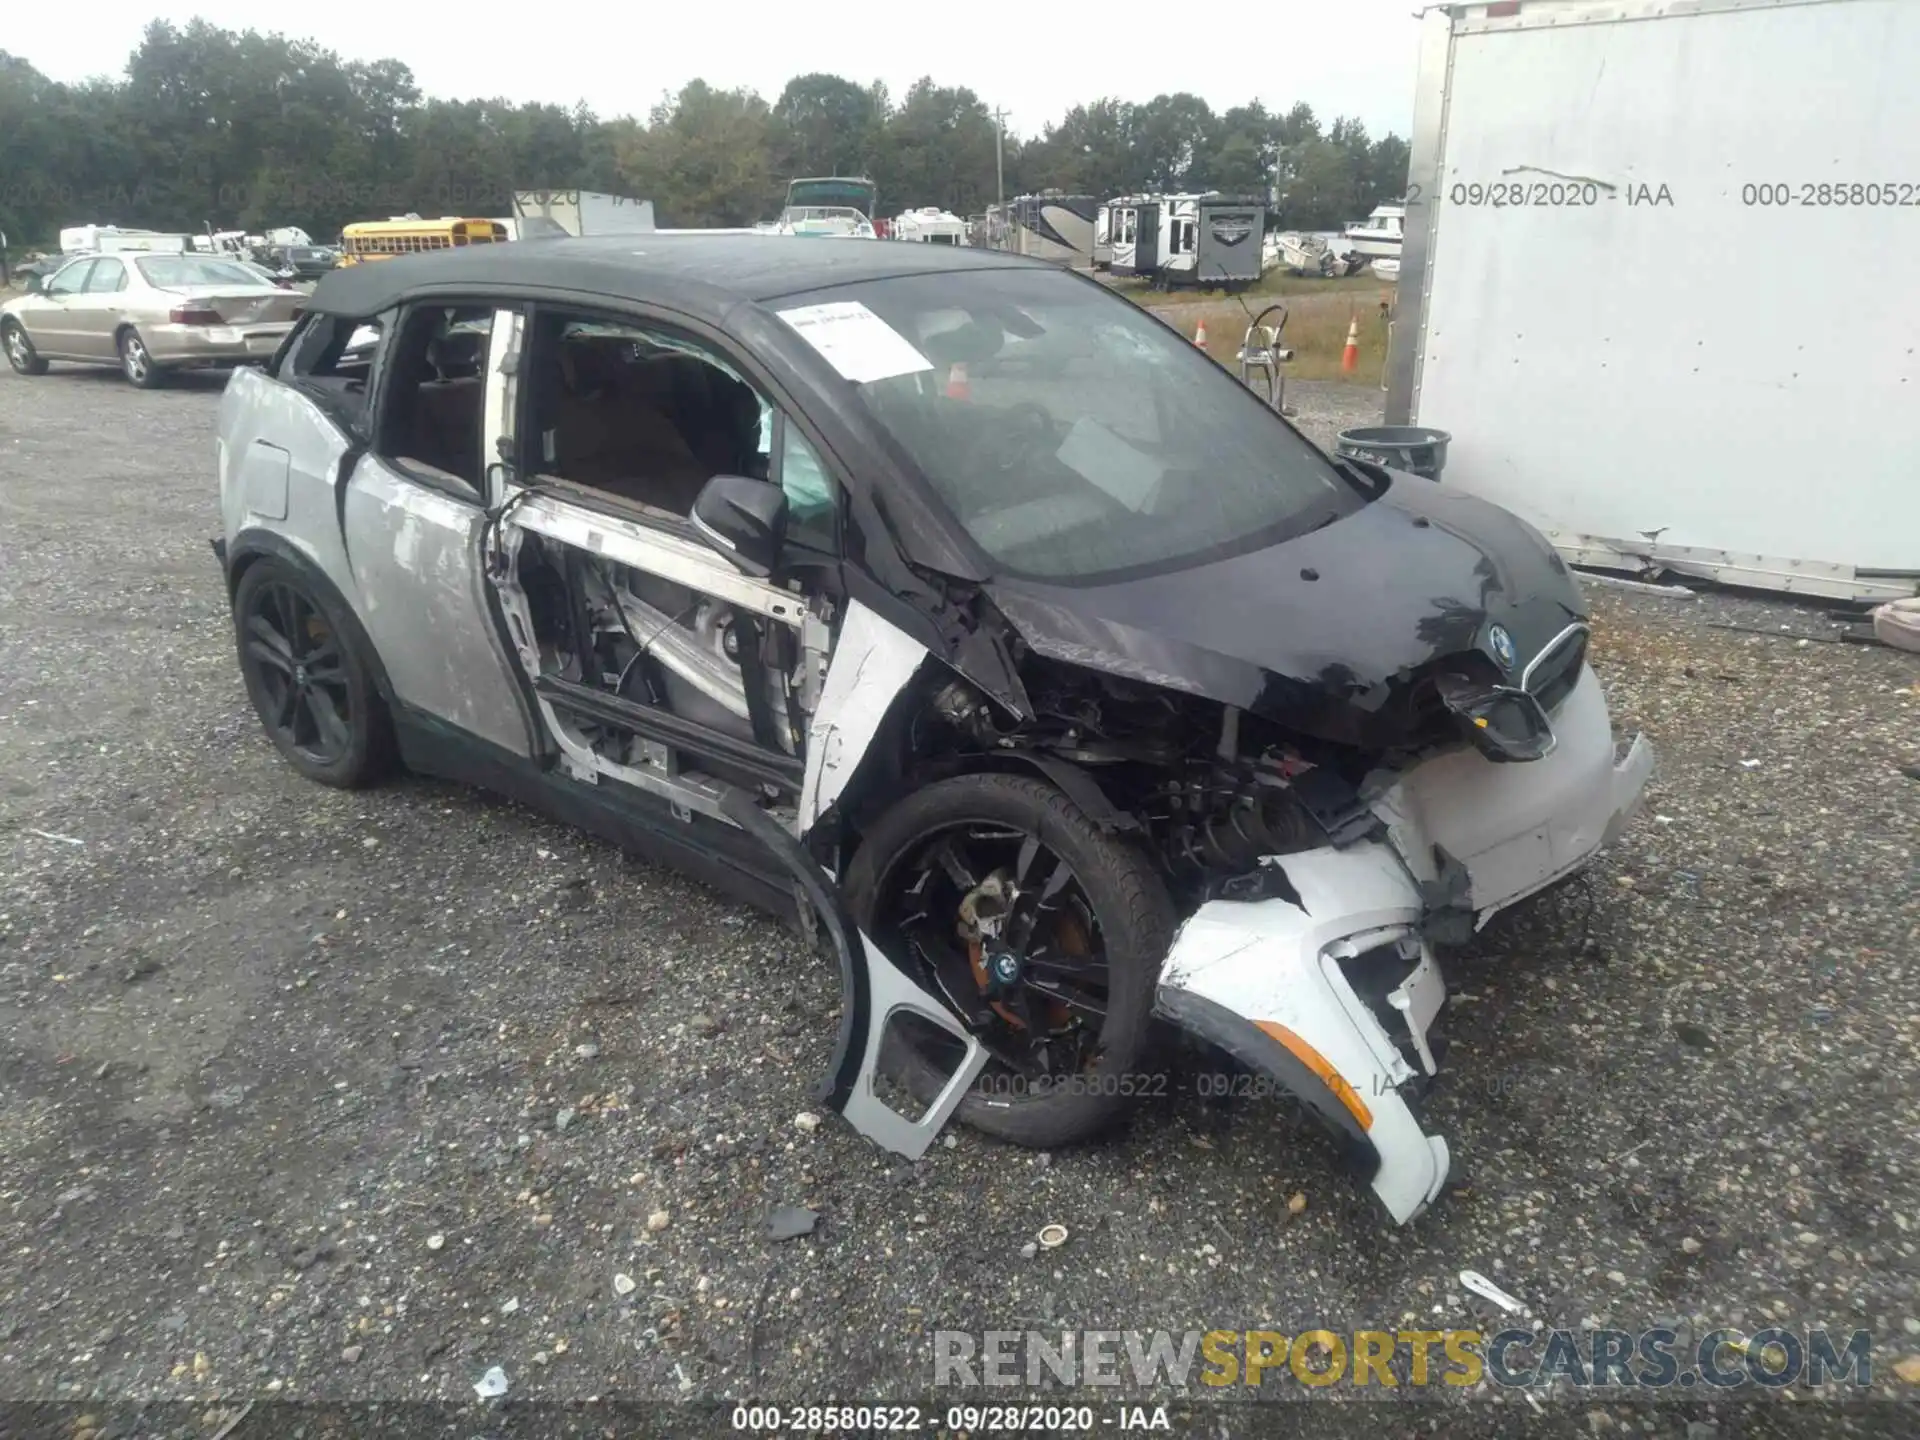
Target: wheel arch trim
<point>253,545</point>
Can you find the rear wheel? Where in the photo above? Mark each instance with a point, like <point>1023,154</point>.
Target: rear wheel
<point>1042,932</point>
<point>307,680</point>
<point>20,352</point>
<point>136,361</point>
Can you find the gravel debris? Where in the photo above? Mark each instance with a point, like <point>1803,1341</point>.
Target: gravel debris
<point>790,1222</point>
<point>492,1385</point>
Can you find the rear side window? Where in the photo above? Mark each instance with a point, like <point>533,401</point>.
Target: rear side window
<point>434,408</point>
<point>108,276</point>
<point>170,271</point>
<point>331,360</point>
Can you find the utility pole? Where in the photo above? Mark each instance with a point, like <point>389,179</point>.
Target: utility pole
<point>999,155</point>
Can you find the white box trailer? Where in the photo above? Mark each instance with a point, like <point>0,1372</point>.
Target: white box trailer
<point>579,212</point>
<point>1655,281</point>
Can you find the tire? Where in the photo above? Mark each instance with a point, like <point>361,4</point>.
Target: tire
<point>309,683</point>
<point>20,352</point>
<point>137,362</point>
<point>1129,905</point>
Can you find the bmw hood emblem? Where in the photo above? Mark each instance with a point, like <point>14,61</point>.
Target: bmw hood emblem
<point>1501,644</point>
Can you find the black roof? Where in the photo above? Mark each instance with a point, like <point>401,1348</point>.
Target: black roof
<point>696,272</point>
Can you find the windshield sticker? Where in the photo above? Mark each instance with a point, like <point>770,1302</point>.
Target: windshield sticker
<point>856,342</point>
<point>1108,461</point>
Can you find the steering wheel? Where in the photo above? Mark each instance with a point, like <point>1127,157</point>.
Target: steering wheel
<point>1024,424</point>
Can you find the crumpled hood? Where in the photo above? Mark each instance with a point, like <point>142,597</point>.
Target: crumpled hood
<point>1326,632</point>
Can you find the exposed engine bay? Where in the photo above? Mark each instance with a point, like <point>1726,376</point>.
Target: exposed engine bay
<point>1214,789</point>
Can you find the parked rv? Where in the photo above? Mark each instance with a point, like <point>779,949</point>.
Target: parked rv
<point>1210,240</point>
<point>1047,226</point>
<point>113,239</point>
<point>930,225</point>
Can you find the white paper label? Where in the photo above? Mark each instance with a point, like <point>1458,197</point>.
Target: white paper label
<point>1106,460</point>
<point>856,342</point>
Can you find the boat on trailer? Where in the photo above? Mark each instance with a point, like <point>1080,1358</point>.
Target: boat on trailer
<point>840,206</point>
<point>1379,235</point>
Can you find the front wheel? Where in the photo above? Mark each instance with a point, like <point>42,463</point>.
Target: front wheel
<point>136,361</point>
<point>1044,933</point>
<point>20,352</point>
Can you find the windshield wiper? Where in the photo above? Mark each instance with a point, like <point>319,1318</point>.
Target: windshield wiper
<point>1372,486</point>
<point>1331,517</point>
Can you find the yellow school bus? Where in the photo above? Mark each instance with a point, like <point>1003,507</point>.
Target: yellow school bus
<point>383,239</point>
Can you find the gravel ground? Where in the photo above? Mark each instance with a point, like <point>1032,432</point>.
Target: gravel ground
<point>350,1097</point>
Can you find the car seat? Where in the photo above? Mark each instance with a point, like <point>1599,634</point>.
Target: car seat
<point>612,430</point>
<point>449,405</point>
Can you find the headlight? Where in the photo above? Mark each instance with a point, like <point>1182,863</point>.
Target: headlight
<point>1503,723</point>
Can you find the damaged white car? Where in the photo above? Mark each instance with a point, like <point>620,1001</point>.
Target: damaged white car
<point>946,596</point>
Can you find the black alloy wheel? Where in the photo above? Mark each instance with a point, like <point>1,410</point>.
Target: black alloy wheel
<point>309,685</point>
<point>1043,934</point>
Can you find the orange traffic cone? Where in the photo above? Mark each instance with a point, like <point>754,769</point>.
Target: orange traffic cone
<point>957,385</point>
<point>1200,335</point>
<point>1350,357</point>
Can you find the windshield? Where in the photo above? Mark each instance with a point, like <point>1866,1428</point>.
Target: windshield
<point>1071,434</point>
<point>169,271</point>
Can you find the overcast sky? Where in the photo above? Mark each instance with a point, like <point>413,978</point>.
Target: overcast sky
<point>1343,57</point>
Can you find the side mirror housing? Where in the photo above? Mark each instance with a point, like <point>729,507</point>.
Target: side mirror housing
<point>744,519</point>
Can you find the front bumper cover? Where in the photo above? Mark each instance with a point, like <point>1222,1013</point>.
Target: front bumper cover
<point>1273,983</point>
<point>1334,996</point>
<point>1516,829</point>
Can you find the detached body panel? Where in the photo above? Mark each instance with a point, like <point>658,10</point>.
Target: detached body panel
<point>1265,981</point>
<point>1333,993</point>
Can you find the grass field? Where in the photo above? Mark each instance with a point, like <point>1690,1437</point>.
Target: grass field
<point>1276,284</point>
<point>1318,313</point>
<point>1315,329</point>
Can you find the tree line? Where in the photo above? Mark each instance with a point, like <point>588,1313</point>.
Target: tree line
<point>244,130</point>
